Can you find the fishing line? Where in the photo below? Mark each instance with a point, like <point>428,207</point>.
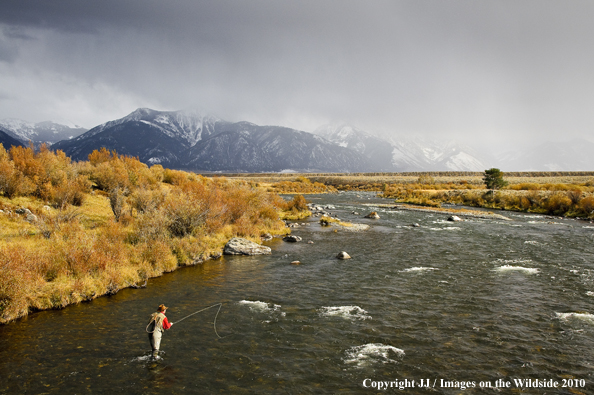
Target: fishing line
<point>214,324</point>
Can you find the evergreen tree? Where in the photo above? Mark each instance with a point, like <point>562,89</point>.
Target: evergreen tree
<point>493,179</point>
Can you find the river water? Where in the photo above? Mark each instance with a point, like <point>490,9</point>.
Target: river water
<point>480,301</point>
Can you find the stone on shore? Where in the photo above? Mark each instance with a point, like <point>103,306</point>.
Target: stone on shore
<point>239,246</point>
<point>343,255</point>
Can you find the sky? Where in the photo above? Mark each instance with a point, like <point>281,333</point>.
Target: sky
<point>484,71</point>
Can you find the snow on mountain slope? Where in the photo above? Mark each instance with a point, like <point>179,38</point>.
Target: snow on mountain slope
<point>189,126</point>
<point>377,150</point>
<point>41,132</point>
<point>244,146</point>
<point>418,154</point>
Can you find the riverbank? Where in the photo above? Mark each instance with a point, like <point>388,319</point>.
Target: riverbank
<point>71,232</point>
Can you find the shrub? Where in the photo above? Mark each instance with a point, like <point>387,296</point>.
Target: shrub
<point>586,205</point>
<point>298,203</point>
<point>557,204</point>
<point>146,200</point>
<point>575,196</point>
<point>184,213</point>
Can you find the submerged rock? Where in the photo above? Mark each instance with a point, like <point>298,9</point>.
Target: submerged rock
<point>239,246</point>
<point>343,255</point>
<point>292,239</point>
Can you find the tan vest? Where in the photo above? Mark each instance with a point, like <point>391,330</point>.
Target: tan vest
<point>156,322</point>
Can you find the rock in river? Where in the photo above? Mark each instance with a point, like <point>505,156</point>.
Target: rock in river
<point>373,215</point>
<point>343,255</point>
<point>454,218</point>
<point>292,239</point>
<point>239,246</point>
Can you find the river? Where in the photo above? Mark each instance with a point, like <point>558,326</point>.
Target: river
<point>441,306</point>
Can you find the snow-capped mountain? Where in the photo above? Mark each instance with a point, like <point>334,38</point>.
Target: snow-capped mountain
<point>189,126</point>
<point>377,150</point>
<point>42,132</point>
<point>418,154</point>
<point>405,153</point>
<point>193,141</point>
<point>152,136</point>
<point>244,146</point>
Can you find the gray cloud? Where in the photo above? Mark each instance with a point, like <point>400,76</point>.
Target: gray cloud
<point>476,70</point>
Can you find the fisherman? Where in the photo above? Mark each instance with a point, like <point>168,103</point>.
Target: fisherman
<point>155,328</point>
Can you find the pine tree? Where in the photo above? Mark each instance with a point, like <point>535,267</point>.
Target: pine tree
<point>493,179</point>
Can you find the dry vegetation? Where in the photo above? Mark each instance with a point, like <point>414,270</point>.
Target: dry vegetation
<point>543,194</point>
<point>112,222</point>
<point>556,193</point>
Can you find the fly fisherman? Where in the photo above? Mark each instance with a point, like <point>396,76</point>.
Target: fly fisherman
<point>155,328</point>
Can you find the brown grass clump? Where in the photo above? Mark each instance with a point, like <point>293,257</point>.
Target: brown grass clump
<point>295,209</point>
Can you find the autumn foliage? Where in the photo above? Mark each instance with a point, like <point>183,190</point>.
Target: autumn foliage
<point>112,222</point>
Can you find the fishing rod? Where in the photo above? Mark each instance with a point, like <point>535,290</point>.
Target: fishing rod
<point>199,311</point>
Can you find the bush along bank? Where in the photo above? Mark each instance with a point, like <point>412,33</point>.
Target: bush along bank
<point>71,232</point>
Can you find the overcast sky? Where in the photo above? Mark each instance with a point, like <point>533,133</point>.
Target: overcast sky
<point>482,70</point>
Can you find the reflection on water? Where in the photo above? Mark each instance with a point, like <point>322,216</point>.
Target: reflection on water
<point>481,300</point>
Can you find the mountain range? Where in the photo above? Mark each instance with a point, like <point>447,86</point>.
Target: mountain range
<point>190,140</point>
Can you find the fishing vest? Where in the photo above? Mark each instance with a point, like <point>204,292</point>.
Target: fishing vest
<point>156,322</point>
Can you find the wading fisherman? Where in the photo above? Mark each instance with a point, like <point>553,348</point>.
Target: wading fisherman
<point>155,328</point>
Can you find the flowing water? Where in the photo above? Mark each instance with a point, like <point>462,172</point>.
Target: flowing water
<point>475,301</point>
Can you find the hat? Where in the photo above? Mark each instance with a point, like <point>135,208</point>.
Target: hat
<point>162,307</point>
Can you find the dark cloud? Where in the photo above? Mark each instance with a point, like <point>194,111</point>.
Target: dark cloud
<point>464,68</point>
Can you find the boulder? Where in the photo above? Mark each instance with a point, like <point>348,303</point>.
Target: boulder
<point>415,225</point>
<point>23,211</point>
<point>295,263</point>
<point>343,255</point>
<point>454,218</point>
<point>372,215</point>
<point>239,246</point>
<point>31,218</point>
<point>292,239</point>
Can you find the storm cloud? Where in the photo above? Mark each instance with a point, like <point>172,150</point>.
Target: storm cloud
<point>479,70</point>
